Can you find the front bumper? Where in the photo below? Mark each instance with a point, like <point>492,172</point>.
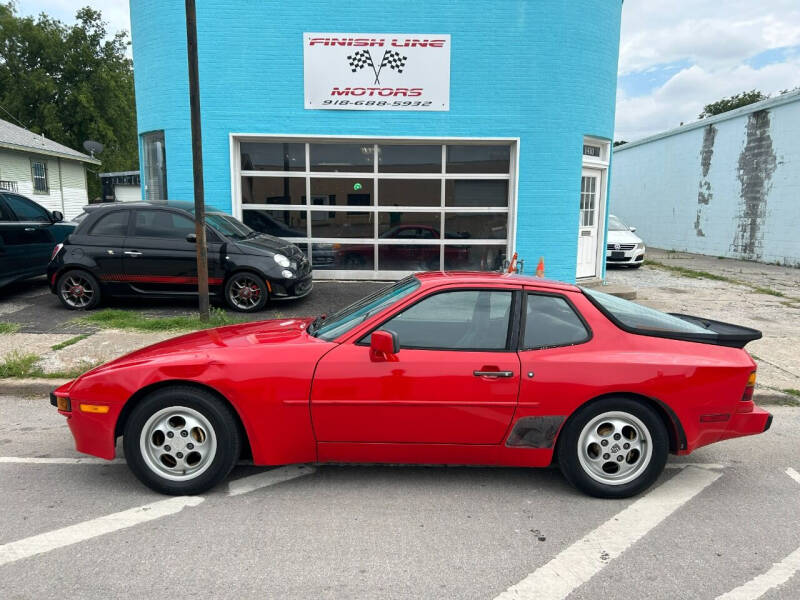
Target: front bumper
<point>291,289</point>
<point>624,257</point>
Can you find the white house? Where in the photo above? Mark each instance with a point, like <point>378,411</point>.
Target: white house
<point>49,173</point>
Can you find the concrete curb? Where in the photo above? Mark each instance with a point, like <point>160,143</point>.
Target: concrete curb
<point>30,387</point>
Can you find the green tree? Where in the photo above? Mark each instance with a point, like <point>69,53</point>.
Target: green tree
<point>70,82</point>
<point>735,101</point>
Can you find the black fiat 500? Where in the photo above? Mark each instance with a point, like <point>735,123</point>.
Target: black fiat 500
<point>149,250</point>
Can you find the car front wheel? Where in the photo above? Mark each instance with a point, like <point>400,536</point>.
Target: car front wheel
<point>613,448</point>
<point>246,292</point>
<point>181,440</point>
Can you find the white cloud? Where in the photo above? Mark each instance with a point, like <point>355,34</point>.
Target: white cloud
<point>715,38</point>
<point>115,12</point>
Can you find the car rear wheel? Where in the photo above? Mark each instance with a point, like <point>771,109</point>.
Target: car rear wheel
<point>181,440</point>
<point>246,292</point>
<point>613,448</point>
<point>78,290</point>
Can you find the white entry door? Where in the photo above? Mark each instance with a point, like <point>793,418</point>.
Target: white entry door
<point>588,227</point>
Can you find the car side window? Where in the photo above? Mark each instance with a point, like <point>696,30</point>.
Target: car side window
<point>457,320</point>
<point>114,224</point>
<point>5,213</point>
<point>162,224</point>
<point>26,210</point>
<point>551,321</point>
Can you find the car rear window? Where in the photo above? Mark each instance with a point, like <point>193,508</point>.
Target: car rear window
<point>630,315</point>
<point>114,224</point>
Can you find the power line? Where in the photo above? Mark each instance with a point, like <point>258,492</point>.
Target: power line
<point>13,117</point>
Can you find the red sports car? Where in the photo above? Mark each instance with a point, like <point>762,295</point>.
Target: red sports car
<point>457,368</point>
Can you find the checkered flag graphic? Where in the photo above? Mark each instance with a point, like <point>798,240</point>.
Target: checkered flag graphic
<point>360,59</point>
<point>394,60</point>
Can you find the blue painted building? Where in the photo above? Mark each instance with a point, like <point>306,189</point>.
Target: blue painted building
<point>510,153</point>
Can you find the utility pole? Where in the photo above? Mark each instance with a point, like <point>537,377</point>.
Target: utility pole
<point>197,160</point>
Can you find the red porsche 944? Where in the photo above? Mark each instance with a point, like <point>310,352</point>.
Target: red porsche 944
<point>439,368</point>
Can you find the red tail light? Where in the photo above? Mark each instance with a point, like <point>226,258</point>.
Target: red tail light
<point>56,250</point>
<point>749,388</point>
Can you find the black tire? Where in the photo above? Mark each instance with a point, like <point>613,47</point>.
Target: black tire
<point>182,400</point>
<point>598,484</point>
<point>78,290</point>
<point>246,282</point>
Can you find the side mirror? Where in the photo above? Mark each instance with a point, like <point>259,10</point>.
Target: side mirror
<point>632,229</point>
<point>384,345</point>
<point>191,238</point>
<point>58,216</point>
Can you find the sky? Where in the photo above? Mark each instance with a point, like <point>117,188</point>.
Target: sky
<point>675,56</point>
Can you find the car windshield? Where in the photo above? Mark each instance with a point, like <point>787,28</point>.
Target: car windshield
<point>635,316</point>
<point>229,226</point>
<point>347,318</point>
<point>614,224</point>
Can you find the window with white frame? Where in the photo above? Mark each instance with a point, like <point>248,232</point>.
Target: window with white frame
<point>386,206</point>
<point>39,175</point>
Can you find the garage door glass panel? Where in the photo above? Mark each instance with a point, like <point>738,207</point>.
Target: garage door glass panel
<point>273,190</point>
<point>478,159</point>
<point>482,226</point>
<point>409,225</point>
<point>403,158</point>
<point>550,321</point>
<point>343,158</point>
<point>401,257</point>
<point>464,320</point>
<point>474,258</point>
<point>466,192</point>
<point>410,192</point>
<point>280,223</point>
<point>340,224</point>
<point>351,257</point>
<point>341,192</point>
<point>278,156</point>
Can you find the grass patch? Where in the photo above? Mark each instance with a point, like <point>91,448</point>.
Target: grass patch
<point>8,328</point>
<point>791,392</point>
<point>21,365</point>
<point>686,272</point>
<point>114,318</point>
<point>70,341</point>
<point>768,291</point>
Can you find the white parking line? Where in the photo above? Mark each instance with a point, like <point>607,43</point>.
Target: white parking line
<point>778,574</point>
<point>271,477</point>
<point>23,460</point>
<point>683,465</point>
<point>45,542</point>
<point>585,558</point>
<point>793,474</point>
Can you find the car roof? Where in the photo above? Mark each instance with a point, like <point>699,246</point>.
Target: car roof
<point>179,204</point>
<point>477,277</point>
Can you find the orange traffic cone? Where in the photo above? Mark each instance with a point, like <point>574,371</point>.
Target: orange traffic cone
<point>512,266</point>
<point>540,267</point>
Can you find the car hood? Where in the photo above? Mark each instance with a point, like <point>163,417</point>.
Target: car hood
<point>209,341</point>
<point>623,237</point>
<point>266,244</point>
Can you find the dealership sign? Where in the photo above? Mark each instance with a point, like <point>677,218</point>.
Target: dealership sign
<point>376,71</point>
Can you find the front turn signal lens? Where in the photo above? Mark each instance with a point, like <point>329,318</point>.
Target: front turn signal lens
<point>62,403</point>
<point>100,409</point>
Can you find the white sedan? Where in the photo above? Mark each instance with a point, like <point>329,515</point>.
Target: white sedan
<point>623,247</point>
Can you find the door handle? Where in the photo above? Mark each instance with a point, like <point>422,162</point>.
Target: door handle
<point>493,373</point>
<point>30,229</point>
<point>132,253</point>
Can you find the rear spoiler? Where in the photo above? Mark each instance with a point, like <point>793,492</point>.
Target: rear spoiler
<point>719,333</point>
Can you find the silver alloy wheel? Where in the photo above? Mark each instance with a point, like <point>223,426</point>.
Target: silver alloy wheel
<point>244,293</point>
<point>178,443</point>
<point>77,291</point>
<point>615,448</point>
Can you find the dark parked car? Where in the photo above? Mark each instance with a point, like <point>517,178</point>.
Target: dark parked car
<point>148,250</point>
<point>28,234</point>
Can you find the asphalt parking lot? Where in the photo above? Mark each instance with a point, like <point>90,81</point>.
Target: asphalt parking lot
<point>722,523</point>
